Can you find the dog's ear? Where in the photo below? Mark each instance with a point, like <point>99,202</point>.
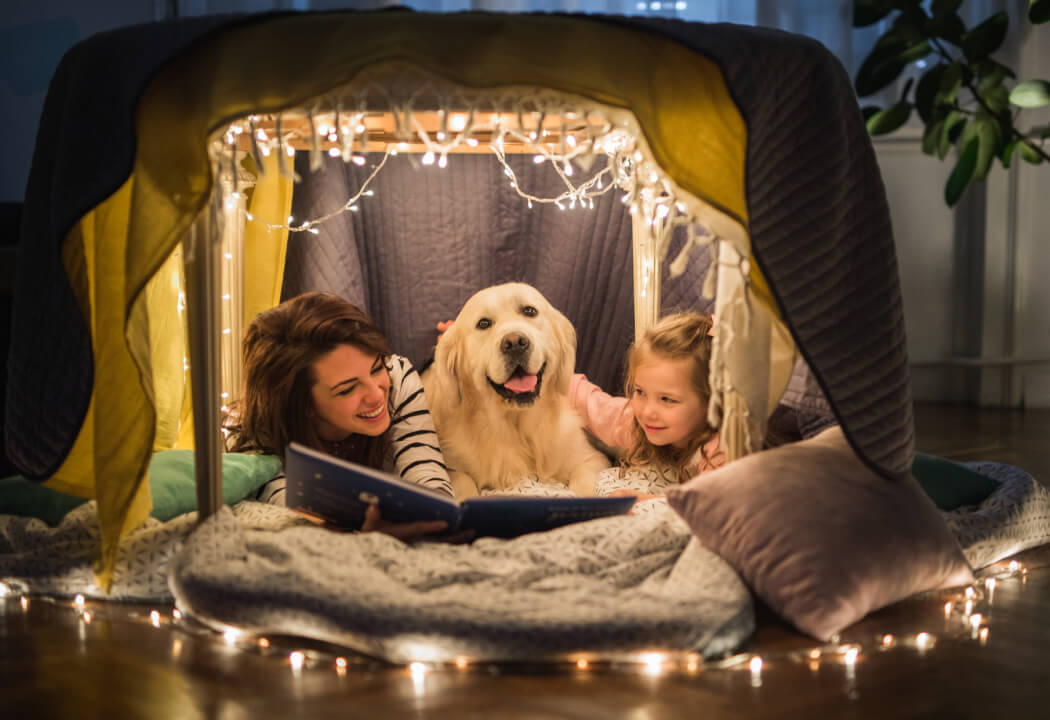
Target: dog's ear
<point>446,363</point>
<point>565,337</point>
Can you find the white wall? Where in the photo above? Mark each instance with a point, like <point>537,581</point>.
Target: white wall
<point>976,279</point>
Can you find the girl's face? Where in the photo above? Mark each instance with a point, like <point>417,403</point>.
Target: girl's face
<point>665,405</point>
<point>350,395</point>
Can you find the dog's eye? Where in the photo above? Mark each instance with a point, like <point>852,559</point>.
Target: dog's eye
<point>529,311</point>
<point>484,324</point>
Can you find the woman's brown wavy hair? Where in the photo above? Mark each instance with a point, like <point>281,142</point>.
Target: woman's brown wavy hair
<point>679,336</point>
<point>280,348</point>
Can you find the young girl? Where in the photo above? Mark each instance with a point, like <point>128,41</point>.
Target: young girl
<point>317,371</point>
<point>663,419</point>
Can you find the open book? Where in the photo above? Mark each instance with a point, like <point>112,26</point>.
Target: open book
<point>340,492</point>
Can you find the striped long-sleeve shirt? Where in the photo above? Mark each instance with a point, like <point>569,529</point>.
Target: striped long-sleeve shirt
<point>412,451</point>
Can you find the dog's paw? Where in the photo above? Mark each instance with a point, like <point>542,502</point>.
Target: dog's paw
<point>463,486</point>
<point>584,484</point>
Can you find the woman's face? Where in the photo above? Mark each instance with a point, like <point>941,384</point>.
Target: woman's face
<point>350,395</point>
<point>664,402</point>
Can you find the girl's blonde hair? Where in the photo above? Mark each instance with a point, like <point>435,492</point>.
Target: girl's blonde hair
<point>685,335</point>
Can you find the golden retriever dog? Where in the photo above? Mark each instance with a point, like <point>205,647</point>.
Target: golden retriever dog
<point>498,391</point>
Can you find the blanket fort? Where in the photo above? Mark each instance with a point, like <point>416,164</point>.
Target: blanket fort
<point>786,182</point>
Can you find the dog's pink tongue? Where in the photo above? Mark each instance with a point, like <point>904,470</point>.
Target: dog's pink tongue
<point>521,383</point>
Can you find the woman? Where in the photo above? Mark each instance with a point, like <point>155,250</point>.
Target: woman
<point>317,371</point>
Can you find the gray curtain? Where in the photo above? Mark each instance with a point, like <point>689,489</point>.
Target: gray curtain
<point>429,238</point>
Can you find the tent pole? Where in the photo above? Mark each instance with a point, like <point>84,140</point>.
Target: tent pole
<point>202,258</point>
<point>646,275</point>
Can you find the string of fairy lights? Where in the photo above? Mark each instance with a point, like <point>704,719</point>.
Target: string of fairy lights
<point>494,120</point>
<point>592,150</point>
<point>966,618</point>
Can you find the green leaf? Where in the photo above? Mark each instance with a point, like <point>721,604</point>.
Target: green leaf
<point>940,8</point>
<point>869,12</point>
<point>888,120</point>
<point>988,136</point>
<point>1038,11</point>
<point>962,173</point>
<point>1031,94</point>
<point>868,110</point>
<point>1029,153</point>
<point>927,89</point>
<point>996,98</point>
<point>988,66</point>
<point>954,124</point>
<point>951,81</point>
<point>986,38</point>
<point>931,138</point>
<point>1046,132</point>
<point>1007,154</point>
<point>949,27</point>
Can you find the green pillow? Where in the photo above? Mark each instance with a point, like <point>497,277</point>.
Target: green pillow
<point>25,498</point>
<point>174,489</point>
<point>950,484</point>
<point>171,484</point>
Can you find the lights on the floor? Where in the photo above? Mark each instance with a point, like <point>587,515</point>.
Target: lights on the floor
<point>296,658</point>
<point>755,665</point>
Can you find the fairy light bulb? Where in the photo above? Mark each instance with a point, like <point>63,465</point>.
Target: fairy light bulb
<point>653,663</point>
<point>428,158</point>
<point>296,659</point>
<point>582,664</point>
<point>462,663</point>
<point>755,665</point>
<point>567,169</point>
<point>948,608</point>
<point>264,643</point>
<point>443,161</point>
<point>78,601</point>
<point>851,656</point>
<point>154,618</point>
<point>230,636</point>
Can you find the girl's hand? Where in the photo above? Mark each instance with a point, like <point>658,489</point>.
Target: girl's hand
<point>443,326</point>
<point>412,531</point>
<point>636,494</point>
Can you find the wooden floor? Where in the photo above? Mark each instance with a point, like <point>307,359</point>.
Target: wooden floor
<point>58,662</point>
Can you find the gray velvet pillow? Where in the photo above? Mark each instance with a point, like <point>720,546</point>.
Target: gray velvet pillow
<point>821,538</point>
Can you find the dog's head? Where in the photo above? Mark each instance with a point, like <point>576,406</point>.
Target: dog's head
<point>510,342</point>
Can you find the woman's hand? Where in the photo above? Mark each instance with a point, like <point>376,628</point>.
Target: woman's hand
<point>412,531</point>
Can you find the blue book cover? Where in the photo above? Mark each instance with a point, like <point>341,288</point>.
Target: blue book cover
<point>340,492</point>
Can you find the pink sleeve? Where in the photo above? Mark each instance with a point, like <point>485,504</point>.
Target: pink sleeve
<point>608,417</point>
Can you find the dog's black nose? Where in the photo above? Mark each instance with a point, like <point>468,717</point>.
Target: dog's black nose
<point>514,342</point>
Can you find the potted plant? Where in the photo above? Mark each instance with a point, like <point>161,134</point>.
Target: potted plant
<point>965,98</point>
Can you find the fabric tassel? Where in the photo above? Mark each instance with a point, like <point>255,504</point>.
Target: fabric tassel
<point>256,153</point>
<point>282,162</point>
<point>316,162</point>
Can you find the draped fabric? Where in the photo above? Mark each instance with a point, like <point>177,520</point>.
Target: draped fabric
<point>121,171</point>
<point>431,237</point>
